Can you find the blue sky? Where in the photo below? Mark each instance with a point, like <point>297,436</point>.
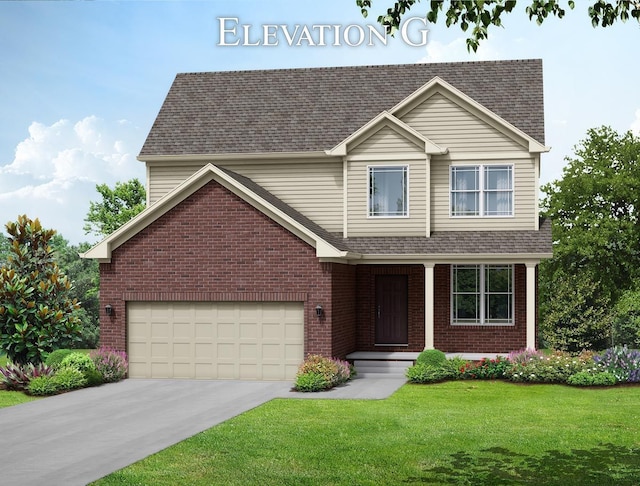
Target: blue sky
<point>81,82</point>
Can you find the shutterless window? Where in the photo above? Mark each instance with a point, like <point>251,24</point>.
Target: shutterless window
<point>482,294</point>
<point>482,190</point>
<point>498,190</point>
<point>388,191</point>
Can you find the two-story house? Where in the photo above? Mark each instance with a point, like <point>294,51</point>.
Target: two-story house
<point>339,211</point>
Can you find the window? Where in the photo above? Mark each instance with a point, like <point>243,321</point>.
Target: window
<point>482,190</point>
<point>482,294</point>
<point>388,191</point>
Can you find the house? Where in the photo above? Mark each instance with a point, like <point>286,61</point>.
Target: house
<point>373,210</point>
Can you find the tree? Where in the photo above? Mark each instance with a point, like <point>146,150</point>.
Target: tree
<point>37,315</point>
<point>85,276</point>
<point>482,14</point>
<point>118,206</point>
<point>577,314</point>
<point>4,248</point>
<point>596,229</point>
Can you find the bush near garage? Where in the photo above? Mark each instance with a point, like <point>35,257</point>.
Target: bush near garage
<point>319,373</point>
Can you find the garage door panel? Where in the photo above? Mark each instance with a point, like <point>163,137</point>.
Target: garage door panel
<point>215,340</point>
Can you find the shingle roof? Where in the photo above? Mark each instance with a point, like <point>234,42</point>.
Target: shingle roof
<point>293,110</point>
<point>443,242</point>
<point>458,242</point>
<point>336,240</point>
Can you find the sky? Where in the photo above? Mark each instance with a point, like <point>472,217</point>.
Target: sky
<point>82,82</point>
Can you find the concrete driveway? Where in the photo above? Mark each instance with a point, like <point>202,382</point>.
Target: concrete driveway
<point>78,437</point>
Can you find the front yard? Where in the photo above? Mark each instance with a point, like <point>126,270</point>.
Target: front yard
<point>458,432</point>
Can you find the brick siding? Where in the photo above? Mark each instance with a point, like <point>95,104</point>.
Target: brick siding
<point>216,247</point>
<point>478,339</point>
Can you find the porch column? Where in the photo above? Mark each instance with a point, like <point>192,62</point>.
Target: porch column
<point>531,305</point>
<point>428,305</point>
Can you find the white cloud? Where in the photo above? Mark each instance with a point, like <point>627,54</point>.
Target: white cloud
<point>635,125</point>
<point>55,170</point>
<point>456,50</point>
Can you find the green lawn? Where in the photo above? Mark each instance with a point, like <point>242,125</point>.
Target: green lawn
<point>465,432</point>
<point>10,398</point>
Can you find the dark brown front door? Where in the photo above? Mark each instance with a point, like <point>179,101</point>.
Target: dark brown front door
<point>392,315</point>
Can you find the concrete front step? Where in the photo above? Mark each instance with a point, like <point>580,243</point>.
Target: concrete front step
<point>379,367</point>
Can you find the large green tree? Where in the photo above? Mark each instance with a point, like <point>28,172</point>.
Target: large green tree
<point>594,210</point>
<point>37,314</point>
<point>85,276</point>
<point>480,15</point>
<point>118,206</point>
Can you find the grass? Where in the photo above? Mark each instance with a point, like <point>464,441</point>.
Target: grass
<point>464,432</point>
<point>10,398</point>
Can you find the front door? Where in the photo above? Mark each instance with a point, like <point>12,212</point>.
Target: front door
<point>392,310</point>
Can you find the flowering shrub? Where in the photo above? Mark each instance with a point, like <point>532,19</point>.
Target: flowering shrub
<point>320,373</point>
<point>111,364</point>
<point>524,355</point>
<point>622,362</point>
<point>555,368</point>
<point>487,369</point>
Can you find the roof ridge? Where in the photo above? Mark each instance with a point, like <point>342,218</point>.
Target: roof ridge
<point>358,66</point>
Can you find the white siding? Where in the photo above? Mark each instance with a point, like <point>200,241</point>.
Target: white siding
<point>451,126</point>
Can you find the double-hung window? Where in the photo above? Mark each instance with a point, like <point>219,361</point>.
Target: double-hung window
<point>388,193</point>
<point>482,294</point>
<point>481,190</point>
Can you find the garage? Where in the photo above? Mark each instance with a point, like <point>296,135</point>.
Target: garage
<point>215,340</point>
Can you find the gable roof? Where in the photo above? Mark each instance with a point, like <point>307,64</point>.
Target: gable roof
<point>315,109</point>
<point>386,119</point>
<point>326,244</point>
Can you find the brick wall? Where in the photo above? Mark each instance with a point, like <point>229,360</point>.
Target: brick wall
<point>478,339</point>
<point>366,296</point>
<point>344,310</point>
<point>216,247</point>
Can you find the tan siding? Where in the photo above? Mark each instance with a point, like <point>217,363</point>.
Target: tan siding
<point>360,225</point>
<point>524,198</point>
<point>385,141</point>
<point>314,189</point>
<point>164,178</point>
<point>451,126</point>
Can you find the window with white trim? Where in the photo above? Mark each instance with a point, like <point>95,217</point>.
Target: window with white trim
<point>481,190</point>
<point>388,193</point>
<point>482,294</point>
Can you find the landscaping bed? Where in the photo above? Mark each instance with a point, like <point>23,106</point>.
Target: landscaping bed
<point>64,370</point>
<point>615,366</point>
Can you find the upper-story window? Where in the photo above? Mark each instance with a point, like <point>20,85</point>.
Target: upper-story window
<point>482,190</point>
<point>388,194</point>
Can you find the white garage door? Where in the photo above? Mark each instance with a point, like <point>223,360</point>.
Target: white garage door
<point>215,340</point>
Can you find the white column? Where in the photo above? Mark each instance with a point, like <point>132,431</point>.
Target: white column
<point>531,305</point>
<point>429,303</point>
